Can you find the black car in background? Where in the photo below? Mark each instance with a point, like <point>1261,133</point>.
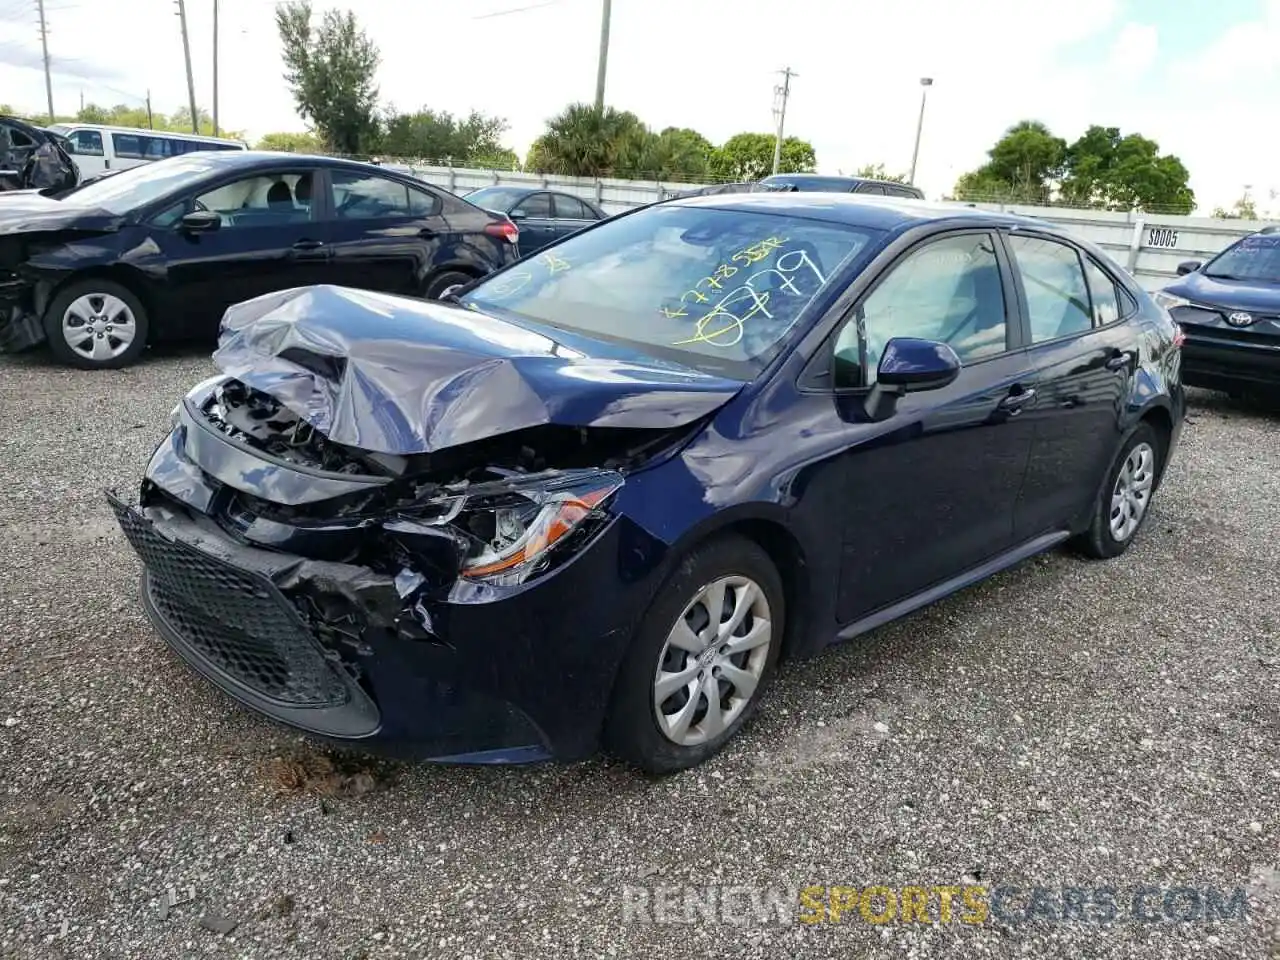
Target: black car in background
<point>1229,310</point>
<point>817,183</point>
<point>544,216</point>
<point>160,251</point>
<point>32,158</point>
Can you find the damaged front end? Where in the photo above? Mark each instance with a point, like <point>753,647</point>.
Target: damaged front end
<point>312,580</point>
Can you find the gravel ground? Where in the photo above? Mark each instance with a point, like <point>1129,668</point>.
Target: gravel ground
<point>1067,723</point>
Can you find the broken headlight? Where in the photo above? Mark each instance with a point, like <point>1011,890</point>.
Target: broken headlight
<point>514,531</point>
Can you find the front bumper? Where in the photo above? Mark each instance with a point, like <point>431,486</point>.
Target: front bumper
<point>509,675</point>
<point>1226,359</point>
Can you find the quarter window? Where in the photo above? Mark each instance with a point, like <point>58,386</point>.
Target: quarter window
<point>1102,291</point>
<point>948,290</point>
<point>1057,297</point>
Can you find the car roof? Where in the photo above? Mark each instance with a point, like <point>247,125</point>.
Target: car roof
<point>860,210</point>
<point>249,159</point>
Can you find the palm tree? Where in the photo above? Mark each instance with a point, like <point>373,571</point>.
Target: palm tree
<point>585,142</point>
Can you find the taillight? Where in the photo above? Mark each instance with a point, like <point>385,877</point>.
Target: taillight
<point>1179,337</point>
<point>505,229</point>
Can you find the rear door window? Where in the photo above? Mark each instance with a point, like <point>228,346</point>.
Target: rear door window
<point>535,205</point>
<point>1053,279</point>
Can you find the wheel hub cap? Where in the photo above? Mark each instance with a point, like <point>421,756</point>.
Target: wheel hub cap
<point>712,661</point>
<point>1132,493</point>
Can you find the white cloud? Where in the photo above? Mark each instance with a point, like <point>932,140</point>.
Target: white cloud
<point>711,66</point>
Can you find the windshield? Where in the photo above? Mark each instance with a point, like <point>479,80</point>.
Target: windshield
<point>139,186</point>
<point>501,199</point>
<point>1253,258</point>
<point>717,290</point>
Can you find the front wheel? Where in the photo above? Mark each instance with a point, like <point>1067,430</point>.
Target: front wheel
<point>440,286</point>
<point>701,658</point>
<point>96,325</point>
<point>1125,497</point>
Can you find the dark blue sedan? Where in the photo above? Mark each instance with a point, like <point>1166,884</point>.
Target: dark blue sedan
<point>543,216</point>
<point>598,497</point>
<point>1230,311</point>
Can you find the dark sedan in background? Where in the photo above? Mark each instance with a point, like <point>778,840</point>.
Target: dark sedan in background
<point>820,183</point>
<point>32,158</point>
<point>544,216</point>
<point>1229,309</point>
<point>602,495</point>
<point>160,251</point>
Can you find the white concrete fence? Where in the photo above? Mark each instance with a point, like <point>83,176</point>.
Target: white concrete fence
<point>1150,246</point>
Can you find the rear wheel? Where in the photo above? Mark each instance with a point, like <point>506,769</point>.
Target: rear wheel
<point>96,324</point>
<point>1125,498</point>
<point>446,283</point>
<point>701,658</point>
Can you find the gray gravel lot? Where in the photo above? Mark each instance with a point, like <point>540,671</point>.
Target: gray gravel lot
<point>1067,723</point>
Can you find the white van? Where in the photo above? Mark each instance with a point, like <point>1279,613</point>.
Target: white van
<point>98,148</point>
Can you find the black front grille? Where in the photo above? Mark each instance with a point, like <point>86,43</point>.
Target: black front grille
<point>234,620</point>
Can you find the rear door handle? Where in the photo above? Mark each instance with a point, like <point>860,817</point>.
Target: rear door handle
<point>1014,402</point>
<point>308,245</point>
<point>1119,360</point>
<point>426,233</point>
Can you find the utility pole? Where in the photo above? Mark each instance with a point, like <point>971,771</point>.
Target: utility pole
<point>186,53</point>
<point>151,124</point>
<point>781,94</point>
<point>925,84</point>
<point>215,68</point>
<point>44,45</point>
<point>604,54</point>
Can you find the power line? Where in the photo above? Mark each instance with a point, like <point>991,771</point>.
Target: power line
<point>503,13</point>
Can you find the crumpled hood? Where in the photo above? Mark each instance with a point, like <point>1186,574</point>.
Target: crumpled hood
<point>399,376</point>
<point>1255,296</point>
<point>27,212</point>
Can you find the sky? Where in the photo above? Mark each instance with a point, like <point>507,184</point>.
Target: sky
<point>1201,77</point>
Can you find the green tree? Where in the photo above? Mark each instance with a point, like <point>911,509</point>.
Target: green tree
<point>331,71</point>
<point>876,171</point>
<point>584,142</point>
<point>1022,167</point>
<point>1104,169</point>
<point>290,143</point>
<point>678,153</point>
<point>432,135</point>
<point>749,156</point>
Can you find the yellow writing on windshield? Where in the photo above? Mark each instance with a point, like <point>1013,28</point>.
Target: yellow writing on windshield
<point>724,325</point>
<point>555,264</point>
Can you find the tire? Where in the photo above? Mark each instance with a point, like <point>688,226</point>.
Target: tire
<point>633,730</point>
<point>98,302</point>
<point>440,284</point>
<point>1142,456</point>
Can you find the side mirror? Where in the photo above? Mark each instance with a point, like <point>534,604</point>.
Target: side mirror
<point>517,215</point>
<point>201,221</point>
<point>1188,266</point>
<point>909,365</point>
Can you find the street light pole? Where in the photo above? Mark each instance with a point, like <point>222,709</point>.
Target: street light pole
<point>925,84</point>
<point>215,67</point>
<point>781,95</point>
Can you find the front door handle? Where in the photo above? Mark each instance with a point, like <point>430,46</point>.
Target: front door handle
<point>308,245</point>
<point>426,233</point>
<point>1014,402</point>
<point>1120,360</point>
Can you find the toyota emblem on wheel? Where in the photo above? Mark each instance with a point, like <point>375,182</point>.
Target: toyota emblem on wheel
<point>1240,319</point>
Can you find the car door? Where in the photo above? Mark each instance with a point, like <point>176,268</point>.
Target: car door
<point>384,233</point>
<point>571,214</point>
<point>1081,356</point>
<point>535,217</point>
<point>267,240</point>
<point>932,493</point>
